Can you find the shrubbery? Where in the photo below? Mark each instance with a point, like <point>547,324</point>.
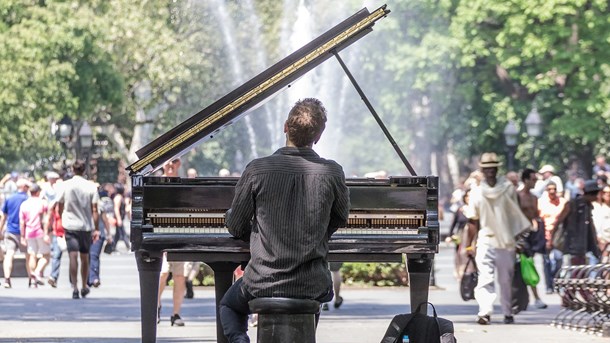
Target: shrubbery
<point>375,274</point>
<point>365,274</point>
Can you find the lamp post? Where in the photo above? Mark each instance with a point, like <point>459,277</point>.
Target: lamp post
<point>62,130</point>
<point>533,124</point>
<point>85,143</point>
<point>510,135</point>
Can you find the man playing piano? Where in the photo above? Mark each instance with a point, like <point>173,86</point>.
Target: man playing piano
<point>287,206</point>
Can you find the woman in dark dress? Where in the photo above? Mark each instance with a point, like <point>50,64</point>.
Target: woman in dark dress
<point>456,233</point>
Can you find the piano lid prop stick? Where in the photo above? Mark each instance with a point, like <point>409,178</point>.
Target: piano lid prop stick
<point>387,133</point>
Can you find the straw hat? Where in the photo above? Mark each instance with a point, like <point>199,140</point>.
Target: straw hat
<point>489,160</point>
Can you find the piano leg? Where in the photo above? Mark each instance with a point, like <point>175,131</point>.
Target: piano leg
<point>223,279</point>
<point>419,267</point>
<point>149,268</point>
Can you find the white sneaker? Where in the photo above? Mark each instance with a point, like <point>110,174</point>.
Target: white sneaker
<point>539,304</point>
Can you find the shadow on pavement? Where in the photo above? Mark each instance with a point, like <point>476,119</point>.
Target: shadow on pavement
<point>37,309</point>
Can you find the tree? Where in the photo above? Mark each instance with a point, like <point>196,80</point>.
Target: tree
<point>52,65</point>
<point>550,53</point>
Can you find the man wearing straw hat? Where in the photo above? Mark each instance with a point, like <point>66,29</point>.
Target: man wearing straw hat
<point>495,209</point>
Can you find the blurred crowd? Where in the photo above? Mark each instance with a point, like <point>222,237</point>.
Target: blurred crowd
<point>33,215</point>
<point>568,223</point>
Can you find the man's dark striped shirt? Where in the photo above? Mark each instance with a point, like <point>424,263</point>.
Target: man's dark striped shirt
<point>288,205</point>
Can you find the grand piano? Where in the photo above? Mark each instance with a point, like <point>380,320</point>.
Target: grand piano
<point>389,218</point>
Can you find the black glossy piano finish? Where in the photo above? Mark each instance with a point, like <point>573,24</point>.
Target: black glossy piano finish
<point>153,195</point>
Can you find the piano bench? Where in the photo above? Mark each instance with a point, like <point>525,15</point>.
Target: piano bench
<point>285,319</point>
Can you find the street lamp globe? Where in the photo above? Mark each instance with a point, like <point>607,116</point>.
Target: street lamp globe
<point>85,136</point>
<point>510,133</point>
<point>533,123</point>
<point>64,129</point>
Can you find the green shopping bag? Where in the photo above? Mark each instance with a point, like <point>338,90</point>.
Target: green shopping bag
<point>528,270</point>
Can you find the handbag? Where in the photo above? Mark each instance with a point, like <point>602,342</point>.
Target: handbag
<point>528,270</point>
<point>519,295</point>
<point>536,239</point>
<point>108,248</point>
<point>61,243</point>
<point>558,238</point>
<point>469,280</point>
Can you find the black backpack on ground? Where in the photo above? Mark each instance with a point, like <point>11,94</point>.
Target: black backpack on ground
<point>420,328</point>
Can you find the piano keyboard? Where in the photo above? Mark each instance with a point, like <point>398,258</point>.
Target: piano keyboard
<point>340,231</point>
<point>358,223</point>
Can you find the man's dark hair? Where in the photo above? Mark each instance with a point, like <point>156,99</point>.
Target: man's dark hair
<point>78,167</point>
<point>526,174</point>
<point>306,121</point>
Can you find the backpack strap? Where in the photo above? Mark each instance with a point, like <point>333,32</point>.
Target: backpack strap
<point>397,326</point>
<point>438,325</point>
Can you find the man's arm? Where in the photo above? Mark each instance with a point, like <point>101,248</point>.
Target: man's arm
<point>339,212</point>
<point>562,216</point>
<point>96,224</point>
<point>472,228</point>
<point>471,211</point>
<point>22,225</point>
<point>96,217</point>
<point>117,209</point>
<point>2,222</point>
<point>48,223</point>
<point>239,217</point>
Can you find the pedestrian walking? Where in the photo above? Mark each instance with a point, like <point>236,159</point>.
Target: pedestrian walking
<point>580,236</point>
<point>78,200</point>
<point>179,270</point>
<point>529,206</point>
<point>550,206</point>
<point>495,210</point>
<point>105,207</point>
<point>12,232</point>
<point>34,237</point>
<point>118,199</point>
<point>601,219</point>
<point>456,234</point>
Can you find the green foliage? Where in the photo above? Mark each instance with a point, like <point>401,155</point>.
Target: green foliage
<point>51,65</point>
<point>445,77</point>
<point>375,274</point>
<point>549,53</point>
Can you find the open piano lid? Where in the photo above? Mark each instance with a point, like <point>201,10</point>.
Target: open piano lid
<point>209,121</point>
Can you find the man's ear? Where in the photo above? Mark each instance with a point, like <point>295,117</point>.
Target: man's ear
<point>285,127</point>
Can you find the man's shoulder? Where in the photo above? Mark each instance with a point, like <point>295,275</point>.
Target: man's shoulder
<point>279,162</point>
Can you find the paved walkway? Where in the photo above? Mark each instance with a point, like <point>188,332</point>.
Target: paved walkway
<point>111,313</point>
